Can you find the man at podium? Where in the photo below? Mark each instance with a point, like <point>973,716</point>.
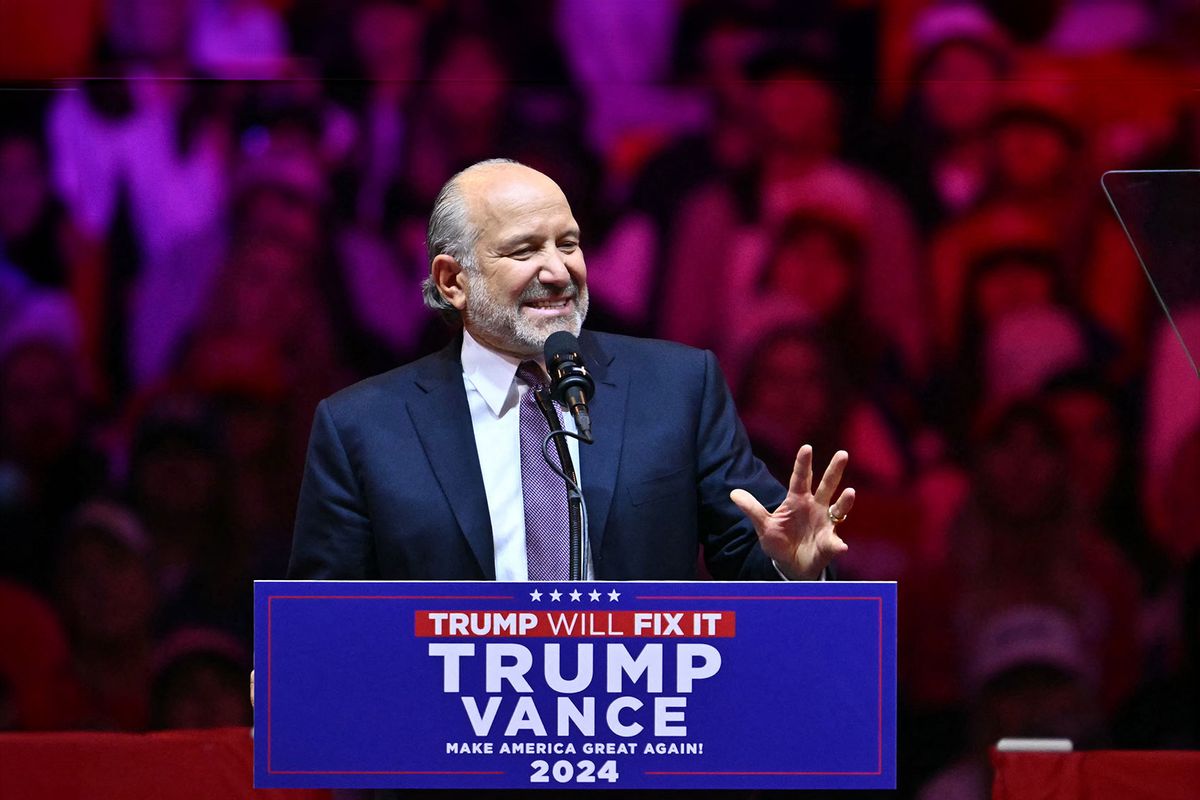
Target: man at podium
<point>435,471</point>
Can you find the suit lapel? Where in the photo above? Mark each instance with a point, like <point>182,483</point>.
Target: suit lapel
<point>599,460</point>
<point>443,422</point>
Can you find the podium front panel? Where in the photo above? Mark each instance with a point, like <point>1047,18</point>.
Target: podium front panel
<point>637,685</point>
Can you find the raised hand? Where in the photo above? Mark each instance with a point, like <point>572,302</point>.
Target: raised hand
<point>799,536</point>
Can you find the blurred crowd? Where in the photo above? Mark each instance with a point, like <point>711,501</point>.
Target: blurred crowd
<point>884,217</point>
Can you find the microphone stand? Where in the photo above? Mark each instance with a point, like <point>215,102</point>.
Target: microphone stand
<point>576,507</point>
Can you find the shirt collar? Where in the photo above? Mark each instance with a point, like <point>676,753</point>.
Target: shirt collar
<point>492,374</point>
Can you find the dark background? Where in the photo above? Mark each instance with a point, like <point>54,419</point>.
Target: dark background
<point>884,217</point>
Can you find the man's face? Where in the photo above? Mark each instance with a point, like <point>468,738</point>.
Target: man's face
<point>811,268</point>
<point>790,394</point>
<point>799,113</point>
<point>41,410</point>
<point>530,279</point>
<point>1023,475</point>
<point>388,39</point>
<point>1031,155</point>
<point>960,88</point>
<point>23,188</point>
<point>1092,438</point>
<point>1035,701</point>
<point>1012,286</point>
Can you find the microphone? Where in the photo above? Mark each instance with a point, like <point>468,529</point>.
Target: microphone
<point>570,383</point>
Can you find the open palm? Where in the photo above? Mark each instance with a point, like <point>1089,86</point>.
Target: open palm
<point>799,535</point>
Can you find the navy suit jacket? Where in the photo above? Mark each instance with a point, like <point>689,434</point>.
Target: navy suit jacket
<point>392,487</point>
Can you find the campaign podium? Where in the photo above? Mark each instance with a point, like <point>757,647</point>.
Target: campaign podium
<point>543,685</point>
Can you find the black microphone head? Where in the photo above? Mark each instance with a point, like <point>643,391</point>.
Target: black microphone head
<point>564,363</point>
<point>559,344</point>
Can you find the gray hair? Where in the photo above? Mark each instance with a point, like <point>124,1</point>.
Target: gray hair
<point>451,233</point>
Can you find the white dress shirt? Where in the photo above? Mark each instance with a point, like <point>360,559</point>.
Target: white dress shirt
<point>494,397</point>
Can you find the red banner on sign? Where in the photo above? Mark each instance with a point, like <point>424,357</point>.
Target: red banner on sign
<point>575,624</point>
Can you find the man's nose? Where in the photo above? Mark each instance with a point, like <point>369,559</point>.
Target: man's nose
<point>554,270</point>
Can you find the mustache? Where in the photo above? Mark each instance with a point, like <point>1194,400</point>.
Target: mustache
<point>538,291</point>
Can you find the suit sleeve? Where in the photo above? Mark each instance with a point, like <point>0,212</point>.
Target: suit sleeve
<point>731,549</point>
<point>332,538</point>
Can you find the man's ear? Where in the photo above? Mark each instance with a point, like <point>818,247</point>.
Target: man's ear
<point>449,280</point>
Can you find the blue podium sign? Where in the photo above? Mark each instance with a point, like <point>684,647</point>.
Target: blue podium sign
<point>585,685</point>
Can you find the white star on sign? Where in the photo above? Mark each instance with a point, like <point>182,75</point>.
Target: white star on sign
<point>535,595</point>
<point>575,595</point>
<point>614,595</point>
<point>556,595</point>
<point>594,595</point>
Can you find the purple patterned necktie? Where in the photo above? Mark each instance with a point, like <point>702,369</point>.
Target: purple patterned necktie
<point>547,528</point>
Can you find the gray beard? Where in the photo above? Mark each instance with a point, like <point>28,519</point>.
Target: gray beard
<point>506,326</point>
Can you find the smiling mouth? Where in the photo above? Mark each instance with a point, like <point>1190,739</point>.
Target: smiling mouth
<point>549,306</point>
